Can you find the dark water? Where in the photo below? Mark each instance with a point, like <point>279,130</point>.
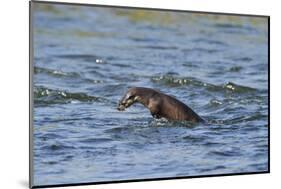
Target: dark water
<point>85,58</point>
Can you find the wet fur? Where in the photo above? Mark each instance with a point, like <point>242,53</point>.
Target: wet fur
<point>159,104</point>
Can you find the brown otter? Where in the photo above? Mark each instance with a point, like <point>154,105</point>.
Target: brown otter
<point>159,104</point>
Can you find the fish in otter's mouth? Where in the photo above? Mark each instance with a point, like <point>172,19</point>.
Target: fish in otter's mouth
<point>121,107</point>
<point>125,103</point>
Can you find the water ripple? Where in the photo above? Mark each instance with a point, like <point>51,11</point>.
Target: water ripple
<point>46,96</point>
<point>83,57</point>
<point>169,80</point>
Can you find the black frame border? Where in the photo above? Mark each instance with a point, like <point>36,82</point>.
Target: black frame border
<point>129,180</point>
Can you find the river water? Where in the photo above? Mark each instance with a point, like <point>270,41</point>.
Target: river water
<point>85,58</point>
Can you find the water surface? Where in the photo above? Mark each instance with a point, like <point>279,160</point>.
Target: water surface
<point>85,58</point>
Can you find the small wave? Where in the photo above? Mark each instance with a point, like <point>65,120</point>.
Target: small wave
<point>238,88</point>
<point>235,69</point>
<point>192,64</point>
<point>169,123</point>
<point>49,136</point>
<point>242,59</point>
<point>238,119</point>
<point>95,140</point>
<point>146,39</point>
<point>55,73</point>
<point>83,57</point>
<point>179,81</point>
<point>61,74</point>
<point>224,153</point>
<point>176,81</point>
<point>119,130</point>
<point>45,96</point>
<point>256,116</point>
<point>215,102</point>
<point>194,139</point>
<point>234,28</point>
<point>159,47</point>
<point>122,65</point>
<point>159,122</point>
<point>57,147</point>
<point>222,25</point>
<point>212,144</point>
<point>68,157</point>
<point>200,50</point>
<point>209,41</point>
<point>50,162</point>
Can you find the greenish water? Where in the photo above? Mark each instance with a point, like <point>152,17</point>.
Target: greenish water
<point>85,58</point>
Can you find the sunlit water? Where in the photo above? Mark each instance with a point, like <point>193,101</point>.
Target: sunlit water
<point>85,58</point>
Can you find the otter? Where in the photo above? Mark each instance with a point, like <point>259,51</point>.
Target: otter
<point>159,104</point>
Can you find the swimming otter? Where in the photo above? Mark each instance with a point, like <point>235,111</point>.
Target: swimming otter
<point>159,104</point>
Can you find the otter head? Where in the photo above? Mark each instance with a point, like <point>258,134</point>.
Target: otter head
<point>129,98</point>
